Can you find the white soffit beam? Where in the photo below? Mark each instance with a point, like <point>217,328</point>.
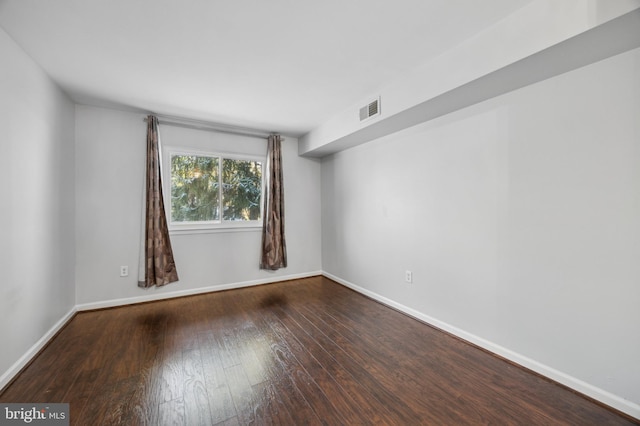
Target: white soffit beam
<point>403,110</point>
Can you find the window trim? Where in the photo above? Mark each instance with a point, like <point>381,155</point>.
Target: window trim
<point>209,226</point>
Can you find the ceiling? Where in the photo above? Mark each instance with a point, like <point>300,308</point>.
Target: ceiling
<point>274,65</point>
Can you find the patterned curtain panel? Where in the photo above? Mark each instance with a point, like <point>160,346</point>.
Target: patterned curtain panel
<point>160,268</point>
<point>274,248</point>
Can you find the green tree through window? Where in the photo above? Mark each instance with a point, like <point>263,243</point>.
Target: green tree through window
<point>241,189</point>
<point>199,192</point>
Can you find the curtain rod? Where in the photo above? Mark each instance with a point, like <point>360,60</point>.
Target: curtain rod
<point>212,127</point>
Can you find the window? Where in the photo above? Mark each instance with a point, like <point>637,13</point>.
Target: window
<point>209,191</point>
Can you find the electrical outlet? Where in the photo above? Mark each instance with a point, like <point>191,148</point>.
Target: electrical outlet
<point>124,271</point>
<point>408,276</point>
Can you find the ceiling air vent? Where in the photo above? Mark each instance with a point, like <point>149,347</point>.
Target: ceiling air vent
<point>372,109</point>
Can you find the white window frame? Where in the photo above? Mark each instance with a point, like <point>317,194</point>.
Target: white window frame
<point>220,225</point>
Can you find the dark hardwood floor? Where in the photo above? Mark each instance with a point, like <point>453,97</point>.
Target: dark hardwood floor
<point>293,353</point>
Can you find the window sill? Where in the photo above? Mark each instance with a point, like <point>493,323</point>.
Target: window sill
<point>215,230</point>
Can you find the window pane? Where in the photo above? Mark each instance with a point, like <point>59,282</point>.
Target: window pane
<point>241,189</point>
<point>194,188</point>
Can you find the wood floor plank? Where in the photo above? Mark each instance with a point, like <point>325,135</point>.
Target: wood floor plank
<point>307,386</point>
<point>272,319</point>
<point>242,393</point>
<point>471,374</point>
<point>220,401</point>
<point>79,394</point>
<point>512,385</point>
<point>383,386</point>
<point>281,396</point>
<point>196,399</point>
<point>299,352</point>
<point>230,422</point>
<point>268,411</point>
<point>353,380</point>
<point>431,354</point>
<point>341,401</point>
<point>172,413</point>
<point>170,380</point>
<point>364,348</point>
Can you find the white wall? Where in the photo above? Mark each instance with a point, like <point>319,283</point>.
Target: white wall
<point>109,174</point>
<point>37,204</point>
<point>519,219</point>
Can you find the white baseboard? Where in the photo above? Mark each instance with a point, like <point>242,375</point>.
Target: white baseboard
<point>8,375</point>
<point>153,297</point>
<point>594,392</point>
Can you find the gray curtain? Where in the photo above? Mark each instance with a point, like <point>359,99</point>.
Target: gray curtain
<point>160,267</point>
<point>274,248</point>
